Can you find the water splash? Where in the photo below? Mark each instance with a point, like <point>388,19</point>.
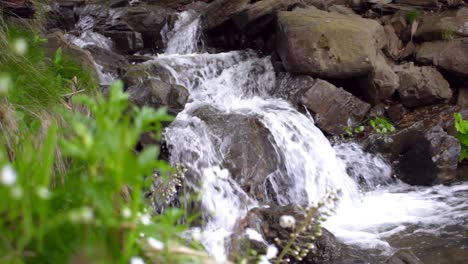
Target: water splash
<point>373,206</point>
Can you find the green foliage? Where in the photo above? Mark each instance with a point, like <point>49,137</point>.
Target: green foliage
<point>382,125</point>
<point>413,15</point>
<point>350,131</point>
<point>448,34</point>
<point>461,126</point>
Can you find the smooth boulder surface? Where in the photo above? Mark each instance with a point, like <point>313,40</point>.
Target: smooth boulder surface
<point>328,45</point>
<point>403,257</point>
<point>247,148</point>
<point>443,26</point>
<point>333,108</point>
<point>422,86</point>
<point>451,56</point>
<point>156,93</point>
<point>266,222</point>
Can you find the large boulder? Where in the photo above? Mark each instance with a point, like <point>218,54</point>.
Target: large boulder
<point>451,56</point>
<point>443,26</point>
<point>247,148</point>
<point>266,222</point>
<point>156,93</point>
<point>328,45</point>
<point>146,20</point>
<point>333,108</point>
<point>56,40</point>
<point>381,84</point>
<point>422,86</point>
<point>126,41</point>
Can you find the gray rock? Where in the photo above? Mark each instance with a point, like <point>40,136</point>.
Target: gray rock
<point>462,100</point>
<point>403,257</point>
<point>394,44</point>
<point>156,94</point>
<point>419,3</point>
<point>328,45</point>
<point>334,108</point>
<point>451,56</point>
<point>443,26</point>
<point>126,41</point>
<point>246,146</point>
<point>422,86</point>
<point>265,221</point>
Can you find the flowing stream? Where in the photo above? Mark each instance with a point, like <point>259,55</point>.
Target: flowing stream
<point>375,213</point>
<point>374,210</point>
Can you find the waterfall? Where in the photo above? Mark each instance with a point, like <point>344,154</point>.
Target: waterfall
<point>372,205</point>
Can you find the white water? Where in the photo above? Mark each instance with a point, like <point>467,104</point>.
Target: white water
<point>372,206</point>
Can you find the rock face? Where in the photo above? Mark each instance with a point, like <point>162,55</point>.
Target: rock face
<point>444,26</point>
<point>451,56</point>
<point>246,146</point>
<point>56,40</point>
<point>157,94</point>
<point>328,45</point>
<point>403,257</point>
<point>334,109</point>
<point>421,155</point>
<point>422,86</point>
<point>265,221</point>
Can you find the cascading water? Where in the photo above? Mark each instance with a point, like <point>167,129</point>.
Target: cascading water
<point>372,206</point>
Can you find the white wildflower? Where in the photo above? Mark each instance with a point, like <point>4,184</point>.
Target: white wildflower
<point>137,260</point>
<point>287,221</point>
<point>126,213</point>
<point>86,215</point>
<point>272,252</point>
<point>5,83</point>
<point>16,192</point>
<point>263,260</point>
<point>254,235</point>
<point>8,175</point>
<point>145,219</point>
<point>196,234</point>
<point>155,244</point>
<point>43,193</point>
<point>20,46</point>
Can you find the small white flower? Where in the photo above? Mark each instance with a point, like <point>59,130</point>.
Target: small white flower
<point>8,175</point>
<point>20,46</point>
<point>196,234</point>
<point>263,260</point>
<point>5,83</point>
<point>137,260</point>
<point>287,221</point>
<point>155,244</point>
<point>16,192</point>
<point>145,219</point>
<point>86,215</point>
<point>43,193</point>
<point>272,252</point>
<point>126,213</point>
<point>254,235</point>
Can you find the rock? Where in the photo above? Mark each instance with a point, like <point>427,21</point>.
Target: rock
<point>451,56</point>
<point>18,8</point>
<point>60,17</point>
<point>56,40</point>
<point>334,108</point>
<point>126,41</point>
<point>146,20</point>
<point>421,155</point>
<point>381,84</point>
<point>462,101</point>
<point>419,3</point>
<point>265,221</point>
<point>138,73</point>
<point>394,44</point>
<point>110,61</point>
<point>156,94</point>
<point>403,256</point>
<point>246,147</point>
<point>328,45</point>
<point>443,26</point>
<point>242,12</point>
<point>422,86</point>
